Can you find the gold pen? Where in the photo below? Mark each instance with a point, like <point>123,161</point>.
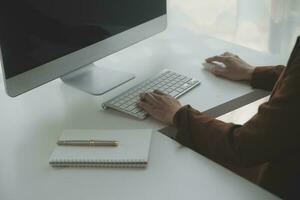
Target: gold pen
<point>106,143</point>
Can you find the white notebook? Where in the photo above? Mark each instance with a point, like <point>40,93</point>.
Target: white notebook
<point>132,150</point>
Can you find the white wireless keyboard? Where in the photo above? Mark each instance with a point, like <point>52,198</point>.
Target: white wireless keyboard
<point>167,81</point>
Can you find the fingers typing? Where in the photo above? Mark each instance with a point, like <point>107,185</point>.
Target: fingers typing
<point>148,97</point>
<point>146,106</point>
<point>158,92</point>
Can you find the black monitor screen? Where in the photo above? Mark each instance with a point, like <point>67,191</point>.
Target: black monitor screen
<point>34,32</point>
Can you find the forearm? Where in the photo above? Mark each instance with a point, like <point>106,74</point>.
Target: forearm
<point>265,77</point>
<point>256,142</point>
<point>272,133</point>
<point>209,137</point>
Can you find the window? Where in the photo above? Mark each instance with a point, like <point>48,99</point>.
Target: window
<point>265,25</point>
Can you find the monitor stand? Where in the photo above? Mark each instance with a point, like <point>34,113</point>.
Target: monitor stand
<point>96,80</point>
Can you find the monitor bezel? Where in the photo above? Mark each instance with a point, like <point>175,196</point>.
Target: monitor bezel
<point>54,69</point>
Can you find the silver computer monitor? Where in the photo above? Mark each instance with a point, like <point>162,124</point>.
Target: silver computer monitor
<point>42,40</point>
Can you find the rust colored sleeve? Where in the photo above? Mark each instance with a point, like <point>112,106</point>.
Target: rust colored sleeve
<point>266,77</point>
<point>272,133</point>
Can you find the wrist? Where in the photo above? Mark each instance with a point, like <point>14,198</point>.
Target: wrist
<point>249,74</point>
<point>173,120</point>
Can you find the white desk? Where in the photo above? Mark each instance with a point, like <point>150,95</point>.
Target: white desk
<point>32,123</point>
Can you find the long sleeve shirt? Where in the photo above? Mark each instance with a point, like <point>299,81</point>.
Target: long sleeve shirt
<point>272,136</point>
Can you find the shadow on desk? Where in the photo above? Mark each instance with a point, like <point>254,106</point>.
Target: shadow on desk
<point>251,174</point>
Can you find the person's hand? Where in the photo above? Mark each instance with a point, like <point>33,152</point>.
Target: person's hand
<point>235,68</point>
<point>160,106</point>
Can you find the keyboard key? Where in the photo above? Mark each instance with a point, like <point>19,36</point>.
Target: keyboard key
<point>123,106</point>
<point>174,93</point>
<point>130,108</point>
<point>184,86</point>
<point>180,89</point>
<point>136,110</point>
<point>117,104</point>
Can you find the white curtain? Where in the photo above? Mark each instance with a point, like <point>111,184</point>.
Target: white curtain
<point>279,24</point>
<point>285,25</point>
